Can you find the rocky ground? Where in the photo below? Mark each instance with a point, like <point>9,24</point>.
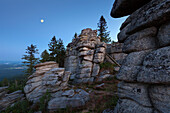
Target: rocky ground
<point>103,97</point>
<point>49,90</point>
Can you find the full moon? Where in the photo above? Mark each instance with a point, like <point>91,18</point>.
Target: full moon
<point>42,21</point>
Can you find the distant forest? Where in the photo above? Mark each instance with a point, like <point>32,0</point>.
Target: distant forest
<point>11,70</point>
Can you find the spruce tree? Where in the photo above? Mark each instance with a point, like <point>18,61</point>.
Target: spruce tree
<point>75,35</point>
<point>60,53</point>
<point>30,59</point>
<point>57,50</point>
<point>45,56</point>
<point>102,30</point>
<point>52,46</point>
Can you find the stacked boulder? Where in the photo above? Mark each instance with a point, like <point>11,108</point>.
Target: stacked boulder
<point>7,100</point>
<point>145,72</point>
<point>49,78</point>
<point>84,54</point>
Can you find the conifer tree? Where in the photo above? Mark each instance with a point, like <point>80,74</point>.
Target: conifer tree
<point>30,59</point>
<point>102,30</point>
<point>60,53</point>
<point>52,46</point>
<point>45,56</point>
<point>75,35</point>
<point>57,50</point>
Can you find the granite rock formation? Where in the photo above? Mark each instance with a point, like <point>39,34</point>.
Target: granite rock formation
<point>48,77</point>
<point>145,72</point>
<point>84,54</point>
<point>7,100</point>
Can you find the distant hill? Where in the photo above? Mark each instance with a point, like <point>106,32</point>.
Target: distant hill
<point>11,70</point>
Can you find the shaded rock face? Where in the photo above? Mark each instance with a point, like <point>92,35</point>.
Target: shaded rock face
<point>126,7</point>
<point>46,78</point>
<point>116,52</point>
<point>145,72</point>
<point>84,54</point>
<point>7,100</point>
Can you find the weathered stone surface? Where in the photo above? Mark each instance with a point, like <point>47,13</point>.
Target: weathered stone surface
<point>122,35</point>
<point>128,73</point>
<point>164,35</point>
<point>142,40</point>
<point>86,44</point>
<point>131,66</point>
<point>116,47</point>
<point>45,64</point>
<point>85,70</point>
<point>88,58</point>
<point>9,99</point>
<point>154,13</point>
<point>96,69</point>
<point>85,64</point>
<point>129,106</point>
<point>119,56</point>
<point>160,97</point>
<point>103,75</point>
<point>98,58</point>
<point>53,80</point>
<point>69,98</point>
<point>84,49</point>
<point>83,80</point>
<point>100,50</point>
<point>83,75</point>
<point>156,67</point>
<point>134,91</point>
<point>126,7</point>
<point>101,44</point>
<point>145,74</point>
<point>85,53</point>
<point>90,53</point>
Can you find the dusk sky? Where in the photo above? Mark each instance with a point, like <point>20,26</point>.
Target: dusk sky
<point>20,23</point>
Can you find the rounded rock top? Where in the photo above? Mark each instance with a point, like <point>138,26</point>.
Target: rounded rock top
<point>45,64</point>
<point>126,7</point>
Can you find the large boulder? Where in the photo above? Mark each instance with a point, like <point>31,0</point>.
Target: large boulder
<point>7,100</point>
<point>52,80</point>
<point>68,98</point>
<point>145,72</point>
